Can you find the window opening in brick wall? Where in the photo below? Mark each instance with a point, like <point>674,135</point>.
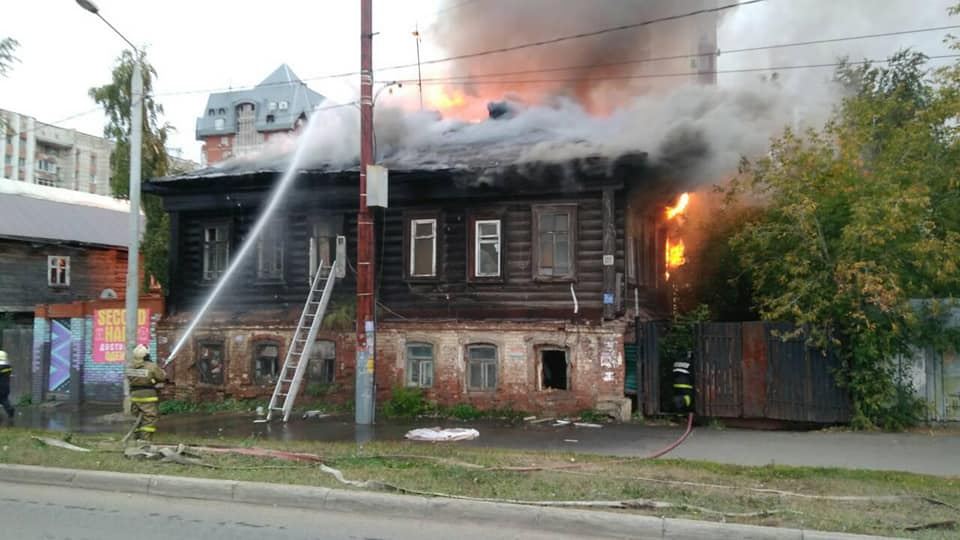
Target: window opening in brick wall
<point>266,362</point>
<point>210,362</point>
<point>58,271</point>
<point>323,362</point>
<point>554,370</point>
<point>420,365</point>
<point>481,367</point>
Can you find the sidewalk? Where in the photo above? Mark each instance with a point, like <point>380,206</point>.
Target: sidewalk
<point>570,522</point>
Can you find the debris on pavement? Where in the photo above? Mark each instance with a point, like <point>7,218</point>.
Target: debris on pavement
<point>560,423</point>
<point>315,414</point>
<point>529,418</point>
<point>543,420</point>
<point>587,424</point>
<point>437,434</point>
<point>61,444</point>
<point>571,440</point>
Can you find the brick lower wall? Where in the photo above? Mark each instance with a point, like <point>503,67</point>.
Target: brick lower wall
<point>594,356</point>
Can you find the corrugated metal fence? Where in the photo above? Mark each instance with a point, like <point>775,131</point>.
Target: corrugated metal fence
<point>747,370</point>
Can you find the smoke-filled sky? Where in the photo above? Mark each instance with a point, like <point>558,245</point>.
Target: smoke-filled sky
<point>213,44</point>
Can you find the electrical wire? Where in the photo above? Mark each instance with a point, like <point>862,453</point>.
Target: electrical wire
<point>710,54</point>
<point>468,80</point>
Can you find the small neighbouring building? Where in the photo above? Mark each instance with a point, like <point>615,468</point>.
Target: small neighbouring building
<point>502,281</point>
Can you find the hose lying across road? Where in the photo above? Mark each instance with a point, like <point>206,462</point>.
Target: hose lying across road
<point>676,443</point>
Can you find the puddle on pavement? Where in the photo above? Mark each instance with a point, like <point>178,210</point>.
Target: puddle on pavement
<point>617,439</point>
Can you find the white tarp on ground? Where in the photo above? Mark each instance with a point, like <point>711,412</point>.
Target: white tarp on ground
<point>442,435</point>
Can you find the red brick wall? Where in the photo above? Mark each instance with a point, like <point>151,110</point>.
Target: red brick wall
<point>594,356</point>
<point>215,150</point>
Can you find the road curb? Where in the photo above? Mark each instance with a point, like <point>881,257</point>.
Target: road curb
<point>569,521</point>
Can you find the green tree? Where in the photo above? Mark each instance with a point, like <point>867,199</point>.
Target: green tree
<point>115,99</point>
<point>7,56</point>
<point>857,219</point>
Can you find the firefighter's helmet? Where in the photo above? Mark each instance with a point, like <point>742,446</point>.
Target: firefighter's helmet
<point>3,358</point>
<point>140,352</point>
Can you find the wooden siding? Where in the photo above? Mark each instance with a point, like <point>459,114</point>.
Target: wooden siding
<point>23,274</point>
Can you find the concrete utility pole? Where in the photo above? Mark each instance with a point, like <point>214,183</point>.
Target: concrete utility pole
<point>136,143</point>
<point>365,251</point>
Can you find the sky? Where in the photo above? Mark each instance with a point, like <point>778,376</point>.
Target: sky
<point>202,45</point>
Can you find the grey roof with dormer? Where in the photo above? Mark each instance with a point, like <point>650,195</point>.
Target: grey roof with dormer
<point>281,86</point>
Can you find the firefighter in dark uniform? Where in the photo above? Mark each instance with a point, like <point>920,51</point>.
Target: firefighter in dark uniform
<point>6,370</point>
<point>683,384</point>
<point>145,379</point>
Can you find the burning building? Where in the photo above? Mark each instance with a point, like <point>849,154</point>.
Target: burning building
<point>514,257</point>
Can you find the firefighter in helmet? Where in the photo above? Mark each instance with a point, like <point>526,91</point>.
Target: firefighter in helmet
<point>145,379</point>
<point>683,384</point>
<point>5,372</point>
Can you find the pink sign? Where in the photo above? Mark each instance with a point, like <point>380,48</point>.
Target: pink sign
<point>109,333</point>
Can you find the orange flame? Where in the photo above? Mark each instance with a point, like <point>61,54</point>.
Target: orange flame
<point>681,206</point>
<point>675,256</point>
<point>443,99</point>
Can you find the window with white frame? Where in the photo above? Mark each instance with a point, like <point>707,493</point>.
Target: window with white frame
<point>481,367</point>
<point>486,255</point>
<point>323,362</point>
<point>283,105</point>
<point>423,247</point>
<point>270,252</point>
<point>420,365</point>
<point>58,271</point>
<point>216,250</point>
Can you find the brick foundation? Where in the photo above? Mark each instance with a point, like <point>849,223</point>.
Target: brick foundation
<point>593,353</point>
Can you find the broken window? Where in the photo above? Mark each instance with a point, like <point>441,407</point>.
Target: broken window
<point>554,228</point>
<point>423,247</point>
<point>266,362</point>
<point>420,365</point>
<point>216,249</point>
<point>323,243</point>
<point>487,248</point>
<point>323,362</point>
<point>58,271</point>
<point>481,367</point>
<point>554,371</point>
<point>270,252</point>
<point>210,362</point>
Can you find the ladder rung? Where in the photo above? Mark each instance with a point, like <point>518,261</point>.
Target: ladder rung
<point>286,380</point>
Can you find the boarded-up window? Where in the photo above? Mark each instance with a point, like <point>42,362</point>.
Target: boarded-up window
<point>554,231</point>
<point>323,362</point>
<point>487,248</point>
<point>210,362</point>
<point>58,271</point>
<point>216,250</point>
<point>420,365</point>
<point>481,367</point>
<point>423,247</point>
<point>266,362</point>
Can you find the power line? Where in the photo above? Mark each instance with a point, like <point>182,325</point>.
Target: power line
<point>500,50</point>
<point>697,55</point>
<point>661,75</point>
<point>571,37</point>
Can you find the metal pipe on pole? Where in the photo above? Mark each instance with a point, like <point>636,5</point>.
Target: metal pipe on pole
<point>365,397</point>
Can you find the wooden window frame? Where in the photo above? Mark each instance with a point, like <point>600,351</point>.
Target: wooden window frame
<point>324,359</point>
<point>496,371</point>
<point>217,342</point>
<point>52,264</point>
<point>410,383</point>
<point>313,258</point>
<point>274,226</point>
<point>257,343</point>
<point>573,227</point>
<point>473,245</point>
<point>408,224</point>
<point>228,232</point>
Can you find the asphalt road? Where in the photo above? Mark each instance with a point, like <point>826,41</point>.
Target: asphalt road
<point>57,513</point>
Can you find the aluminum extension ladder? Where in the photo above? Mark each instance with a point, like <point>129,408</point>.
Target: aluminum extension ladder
<point>298,353</point>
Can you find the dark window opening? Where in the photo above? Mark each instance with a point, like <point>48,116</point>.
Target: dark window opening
<point>270,118</point>
<point>323,362</point>
<point>553,364</point>
<point>210,363</point>
<point>266,362</point>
